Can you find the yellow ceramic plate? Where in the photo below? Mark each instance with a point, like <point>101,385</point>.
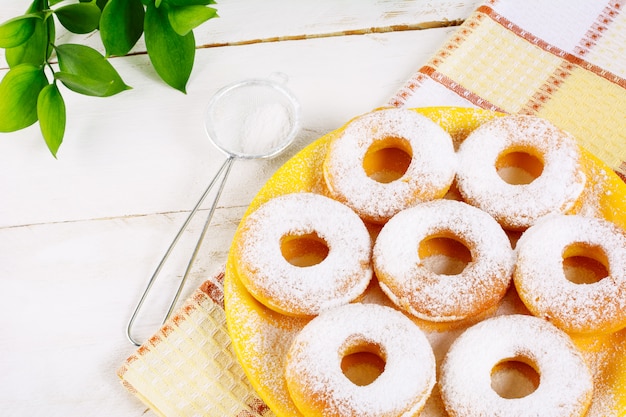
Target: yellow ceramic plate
<point>261,337</point>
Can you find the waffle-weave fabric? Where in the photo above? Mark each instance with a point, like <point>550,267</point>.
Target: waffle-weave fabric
<point>560,60</point>
<point>188,368</point>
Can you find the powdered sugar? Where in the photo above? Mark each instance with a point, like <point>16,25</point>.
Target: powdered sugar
<point>428,176</point>
<point>605,355</point>
<point>596,190</point>
<point>541,283</point>
<point>565,386</point>
<point>340,278</point>
<point>264,128</point>
<point>313,367</point>
<point>519,206</point>
<point>253,119</point>
<point>431,296</point>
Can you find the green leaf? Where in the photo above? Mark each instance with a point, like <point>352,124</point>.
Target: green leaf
<point>171,55</point>
<point>79,17</point>
<point>51,113</point>
<point>100,3</point>
<point>19,90</point>
<point>186,18</point>
<point>121,25</point>
<point>190,2</point>
<point>90,67</point>
<point>39,5</point>
<point>84,85</point>
<point>36,49</point>
<point>18,30</point>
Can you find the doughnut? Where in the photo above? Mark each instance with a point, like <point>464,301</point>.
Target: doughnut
<point>596,304</point>
<point>565,383</point>
<point>475,239</point>
<point>301,253</point>
<point>389,160</point>
<point>549,156</point>
<point>318,385</point>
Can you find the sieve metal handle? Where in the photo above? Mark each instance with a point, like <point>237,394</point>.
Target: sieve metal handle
<point>222,172</point>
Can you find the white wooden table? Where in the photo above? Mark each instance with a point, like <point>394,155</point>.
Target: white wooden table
<point>81,235</point>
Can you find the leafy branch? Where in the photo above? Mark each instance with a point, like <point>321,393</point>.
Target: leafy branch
<point>29,91</point>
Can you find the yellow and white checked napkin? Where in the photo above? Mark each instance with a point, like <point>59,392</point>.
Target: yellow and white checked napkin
<point>563,60</point>
<point>188,367</point>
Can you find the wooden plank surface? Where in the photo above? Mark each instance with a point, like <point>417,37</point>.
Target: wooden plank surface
<point>243,21</point>
<point>80,236</point>
<point>147,147</point>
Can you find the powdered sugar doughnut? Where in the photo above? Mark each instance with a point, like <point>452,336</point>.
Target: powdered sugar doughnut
<point>560,178</point>
<point>399,261</point>
<point>543,286</point>
<point>302,253</point>
<point>319,387</point>
<point>428,175</point>
<point>565,386</point>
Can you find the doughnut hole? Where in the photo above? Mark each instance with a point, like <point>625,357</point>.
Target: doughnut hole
<point>444,254</point>
<point>387,159</point>
<point>362,362</point>
<point>584,263</point>
<point>307,249</point>
<point>519,166</point>
<point>514,378</point>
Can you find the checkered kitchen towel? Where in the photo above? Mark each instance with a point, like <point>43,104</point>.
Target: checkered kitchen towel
<point>564,60</point>
<point>188,367</point>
